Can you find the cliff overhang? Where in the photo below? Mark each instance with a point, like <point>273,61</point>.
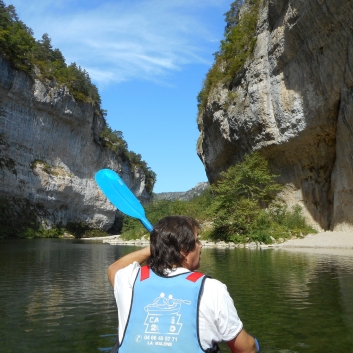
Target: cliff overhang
<point>292,102</point>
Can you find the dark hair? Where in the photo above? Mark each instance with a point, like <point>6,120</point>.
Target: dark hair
<point>171,235</point>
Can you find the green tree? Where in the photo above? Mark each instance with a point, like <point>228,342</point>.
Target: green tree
<point>250,179</point>
<point>240,194</point>
<point>5,16</point>
<point>232,16</point>
<point>16,39</point>
<point>44,50</point>
<point>79,83</point>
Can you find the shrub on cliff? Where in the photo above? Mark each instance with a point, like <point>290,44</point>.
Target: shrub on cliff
<point>114,140</point>
<point>238,44</point>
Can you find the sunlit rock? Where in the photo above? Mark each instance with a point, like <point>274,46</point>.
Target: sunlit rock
<point>50,150</point>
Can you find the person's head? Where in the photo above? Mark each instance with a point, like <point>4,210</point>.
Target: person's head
<point>174,244</point>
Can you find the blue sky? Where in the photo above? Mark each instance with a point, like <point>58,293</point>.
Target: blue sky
<point>148,59</point>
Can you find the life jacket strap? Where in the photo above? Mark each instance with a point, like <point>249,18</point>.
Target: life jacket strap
<point>145,273</point>
<point>193,277</point>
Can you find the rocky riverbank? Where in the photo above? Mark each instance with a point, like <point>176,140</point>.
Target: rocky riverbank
<point>324,240</point>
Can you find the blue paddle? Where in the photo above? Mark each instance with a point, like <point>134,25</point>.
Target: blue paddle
<point>120,196</point>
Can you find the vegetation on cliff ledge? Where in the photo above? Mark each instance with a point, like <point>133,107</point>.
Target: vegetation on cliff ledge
<point>19,47</point>
<point>114,140</point>
<point>238,44</point>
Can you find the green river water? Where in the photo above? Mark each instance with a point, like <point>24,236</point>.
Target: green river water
<point>55,297</point>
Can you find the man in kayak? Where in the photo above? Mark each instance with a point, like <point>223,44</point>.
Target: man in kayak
<point>199,313</point>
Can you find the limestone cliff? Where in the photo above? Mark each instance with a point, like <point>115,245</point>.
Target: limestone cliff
<point>292,101</point>
<point>50,150</point>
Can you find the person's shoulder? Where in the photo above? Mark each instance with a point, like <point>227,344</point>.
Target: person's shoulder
<point>127,274</point>
<point>214,291</point>
<point>214,284</point>
<point>129,269</point>
<point>216,301</point>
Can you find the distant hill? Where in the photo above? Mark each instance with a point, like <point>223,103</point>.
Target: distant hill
<point>184,196</point>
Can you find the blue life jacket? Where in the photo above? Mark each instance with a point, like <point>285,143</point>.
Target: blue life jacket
<point>164,314</point>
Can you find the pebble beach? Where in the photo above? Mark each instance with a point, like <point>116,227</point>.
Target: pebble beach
<point>328,242</point>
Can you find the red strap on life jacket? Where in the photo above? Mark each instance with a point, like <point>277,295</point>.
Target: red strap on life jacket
<point>145,273</point>
<point>193,277</point>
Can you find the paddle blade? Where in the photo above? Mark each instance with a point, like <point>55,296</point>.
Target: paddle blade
<point>120,196</point>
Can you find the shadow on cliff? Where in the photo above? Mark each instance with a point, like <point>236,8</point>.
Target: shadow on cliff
<point>313,65</point>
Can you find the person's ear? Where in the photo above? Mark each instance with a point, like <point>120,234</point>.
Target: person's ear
<point>183,253</point>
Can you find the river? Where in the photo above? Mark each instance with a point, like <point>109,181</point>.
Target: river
<point>55,297</point>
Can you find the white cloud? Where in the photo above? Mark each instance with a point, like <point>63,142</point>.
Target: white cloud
<point>125,39</point>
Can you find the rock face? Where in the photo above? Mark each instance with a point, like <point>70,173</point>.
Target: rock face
<point>293,102</point>
<point>183,196</point>
<point>50,150</point>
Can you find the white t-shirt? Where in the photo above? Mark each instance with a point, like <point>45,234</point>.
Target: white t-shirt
<point>218,318</point>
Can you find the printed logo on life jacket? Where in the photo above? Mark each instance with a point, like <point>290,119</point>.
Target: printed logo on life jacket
<point>163,315</point>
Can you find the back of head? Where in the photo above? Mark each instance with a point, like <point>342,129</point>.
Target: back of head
<point>170,236</point>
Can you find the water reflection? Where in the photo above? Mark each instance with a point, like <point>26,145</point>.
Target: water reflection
<point>54,296</point>
<point>293,301</point>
